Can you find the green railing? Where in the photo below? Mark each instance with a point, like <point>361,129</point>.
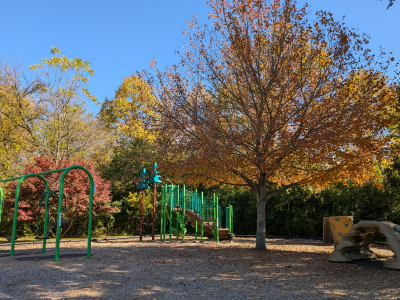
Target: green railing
<point>219,217</point>
<point>229,218</point>
<point>179,200</point>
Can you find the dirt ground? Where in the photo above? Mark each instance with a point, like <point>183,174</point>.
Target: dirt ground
<point>129,269</point>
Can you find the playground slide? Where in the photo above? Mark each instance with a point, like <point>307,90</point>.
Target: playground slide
<point>207,227</point>
<point>355,243</point>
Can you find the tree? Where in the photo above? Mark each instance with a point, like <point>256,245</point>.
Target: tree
<point>266,98</point>
<point>127,159</point>
<point>391,2</point>
<point>80,135</point>
<point>76,189</point>
<point>66,82</point>
<point>131,118</point>
<point>19,112</point>
<point>131,112</point>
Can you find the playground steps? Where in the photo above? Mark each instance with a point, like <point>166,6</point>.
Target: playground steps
<point>223,234</point>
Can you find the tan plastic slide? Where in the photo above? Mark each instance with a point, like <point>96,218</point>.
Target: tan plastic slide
<point>355,243</point>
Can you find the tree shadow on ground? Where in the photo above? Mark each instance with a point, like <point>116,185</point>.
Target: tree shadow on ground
<point>6,253</point>
<point>176,270</point>
<point>50,257</point>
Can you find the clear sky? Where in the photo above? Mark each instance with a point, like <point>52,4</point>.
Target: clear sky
<point>122,36</point>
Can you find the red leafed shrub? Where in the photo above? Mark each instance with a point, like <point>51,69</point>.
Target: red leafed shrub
<point>76,189</point>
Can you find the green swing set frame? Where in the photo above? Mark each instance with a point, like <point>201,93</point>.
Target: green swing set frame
<point>59,208</point>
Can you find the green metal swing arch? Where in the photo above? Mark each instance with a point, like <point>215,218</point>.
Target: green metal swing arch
<point>59,208</point>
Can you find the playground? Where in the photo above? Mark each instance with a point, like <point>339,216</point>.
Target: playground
<point>211,263</point>
<point>290,269</point>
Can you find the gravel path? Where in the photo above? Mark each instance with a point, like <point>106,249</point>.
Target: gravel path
<point>291,269</point>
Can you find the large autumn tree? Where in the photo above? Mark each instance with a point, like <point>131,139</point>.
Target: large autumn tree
<point>270,96</point>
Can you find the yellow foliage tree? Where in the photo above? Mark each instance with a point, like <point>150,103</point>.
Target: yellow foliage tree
<point>19,113</point>
<point>131,112</point>
<point>66,130</point>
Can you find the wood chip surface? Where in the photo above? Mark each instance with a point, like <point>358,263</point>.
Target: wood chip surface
<point>129,269</point>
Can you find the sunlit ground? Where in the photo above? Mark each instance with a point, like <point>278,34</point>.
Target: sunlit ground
<point>129,269</point>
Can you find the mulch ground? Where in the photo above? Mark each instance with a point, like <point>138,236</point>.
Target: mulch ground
<point>129,269</point>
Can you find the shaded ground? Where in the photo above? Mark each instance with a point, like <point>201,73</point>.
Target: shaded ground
<point>290,269</point>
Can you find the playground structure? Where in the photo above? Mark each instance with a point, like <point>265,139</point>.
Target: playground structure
<point>60,221</point>
<point>355,243</point>
<point>203,213</point>
<point>339,226</point>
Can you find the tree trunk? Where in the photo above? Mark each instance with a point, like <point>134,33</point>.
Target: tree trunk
<point>383,173</point>
<point>261,201</point>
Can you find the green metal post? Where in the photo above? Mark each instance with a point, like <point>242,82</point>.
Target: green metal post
<point>170,212</point>
<point>162,213</point>
<point>14,229</point>
<point>183,212</point>
<point>195,231</point>
<point>59,211</point>
<point>178,226</point>
<point>214,218</point>
<point>1,202</point>
<point>218,220</point>
<point>165,209</point>
<point>230,220</point>
<point>202,215</point>
<point>172,194</point>
<point>178,198</point>
<point>196,207</point>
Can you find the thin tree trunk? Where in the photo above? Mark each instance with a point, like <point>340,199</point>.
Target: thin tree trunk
<point>383,173</point>
<point>67,229</point>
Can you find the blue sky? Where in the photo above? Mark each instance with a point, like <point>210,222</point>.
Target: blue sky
<point>122,36</point>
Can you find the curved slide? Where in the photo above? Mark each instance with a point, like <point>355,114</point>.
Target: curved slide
<point>355,243</point>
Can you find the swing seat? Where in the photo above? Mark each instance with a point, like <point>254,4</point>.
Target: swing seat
<point>41,238</point>
<point>9,238</point>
